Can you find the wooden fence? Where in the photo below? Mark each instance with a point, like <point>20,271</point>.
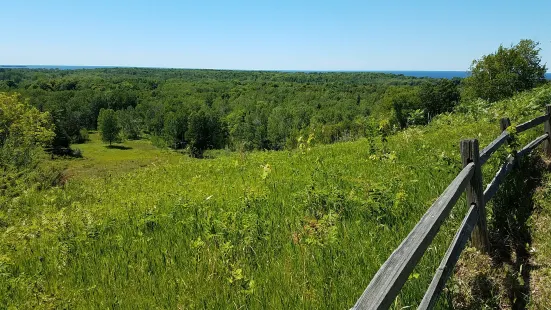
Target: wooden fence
<point>388,281</point>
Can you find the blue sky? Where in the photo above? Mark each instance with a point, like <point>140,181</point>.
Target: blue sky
<point>271,35</point>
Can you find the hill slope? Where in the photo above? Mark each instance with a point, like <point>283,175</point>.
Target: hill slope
<point>289,229</point>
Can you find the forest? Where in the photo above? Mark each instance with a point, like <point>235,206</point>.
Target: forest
<point>208,109</point>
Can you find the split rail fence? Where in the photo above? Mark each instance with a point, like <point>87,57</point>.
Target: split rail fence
<point>393,274</point>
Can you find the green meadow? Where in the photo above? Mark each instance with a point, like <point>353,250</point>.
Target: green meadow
<point>136,226</point>
<point>102,160</point>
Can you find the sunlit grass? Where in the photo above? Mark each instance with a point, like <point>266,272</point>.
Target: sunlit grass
<point>101,159</point>
<point>541,248</point>
<point>148,228</point>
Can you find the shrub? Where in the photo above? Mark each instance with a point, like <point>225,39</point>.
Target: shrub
<point>23,132</point>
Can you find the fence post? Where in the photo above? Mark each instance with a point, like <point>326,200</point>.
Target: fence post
<point>475,193</point>
<point>504,123</point>
<point>547,128</point>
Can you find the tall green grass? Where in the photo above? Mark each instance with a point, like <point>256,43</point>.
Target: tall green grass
<point>300,229</point>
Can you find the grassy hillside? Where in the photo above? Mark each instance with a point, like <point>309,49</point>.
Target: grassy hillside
<point>541,249</point>
<point>289,229</point>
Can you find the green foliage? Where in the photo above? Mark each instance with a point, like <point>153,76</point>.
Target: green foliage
<point>24,131</point>
<point>416,117</point>
<point>248,127</point>
<point>262,110</point>
<point>507,71</point>
<point>108,126</point>
<point>403,101</point>
<point>279,127</point>
<point>439,97</point>
<point>61,141</point>
<point>153,117</point>
<point>256,230</point>
<point>144,227</point>
<point>540,247</point>
<point>84,134</point>
<point>130,123</point>
<point>205,131</point>
<point>175,128</point>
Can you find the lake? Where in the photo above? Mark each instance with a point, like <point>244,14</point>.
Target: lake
<point>430,74</point>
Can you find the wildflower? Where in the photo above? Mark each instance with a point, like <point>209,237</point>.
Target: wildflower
<point>266,170</point>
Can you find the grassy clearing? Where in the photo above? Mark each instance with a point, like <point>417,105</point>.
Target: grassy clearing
<point>100,159</point>
<point>292,229</point>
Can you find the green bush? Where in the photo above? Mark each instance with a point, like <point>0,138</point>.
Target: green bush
<point>24,131</point>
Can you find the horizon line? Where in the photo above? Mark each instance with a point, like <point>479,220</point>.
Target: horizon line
<point>22,66</point>
<point>228,69</point>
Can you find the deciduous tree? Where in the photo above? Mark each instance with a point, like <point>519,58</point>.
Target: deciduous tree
<point>108,125</point>
<point>507,71</point>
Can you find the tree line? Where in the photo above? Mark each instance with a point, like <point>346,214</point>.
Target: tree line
<point>204,109</point>
<point>209,109</point>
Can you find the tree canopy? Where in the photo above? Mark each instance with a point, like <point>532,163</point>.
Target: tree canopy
<point>507,71</point>
<point>24,131</point>
<point>251,110</point>
<point>108,125</point>
<point>19,119</point>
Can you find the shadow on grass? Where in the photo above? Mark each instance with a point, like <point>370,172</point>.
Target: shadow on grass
<point>118,147</point>
<point>502,279</point>
<point>510,233</point>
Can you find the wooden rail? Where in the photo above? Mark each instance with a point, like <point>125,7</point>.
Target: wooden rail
<point>492,188</point>
<point>450,259</point>
<point>532,145</point>
<point>532,123</point>
<point>493,146</point>
<point>389,280</point>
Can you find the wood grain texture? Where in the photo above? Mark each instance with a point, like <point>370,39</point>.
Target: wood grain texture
<point>387,282</point>
<point>450,259</point>
<point>532,123</point>
<point>475,193</point>
<point>547,130</point>
<point>532,145</point>
<point>389,279</point>
<point>493,146</point>
<point>504,123</point>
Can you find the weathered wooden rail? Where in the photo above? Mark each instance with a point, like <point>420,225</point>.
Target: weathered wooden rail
<point>393,274</point>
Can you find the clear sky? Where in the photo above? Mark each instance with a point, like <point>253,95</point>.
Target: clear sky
<point>275,35</point>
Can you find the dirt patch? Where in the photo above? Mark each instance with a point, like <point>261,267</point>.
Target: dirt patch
<point>505,278</point>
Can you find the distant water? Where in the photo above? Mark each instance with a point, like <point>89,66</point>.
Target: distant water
<point>430,74</point>
<point>420,74</point>
<point>441,74</point>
